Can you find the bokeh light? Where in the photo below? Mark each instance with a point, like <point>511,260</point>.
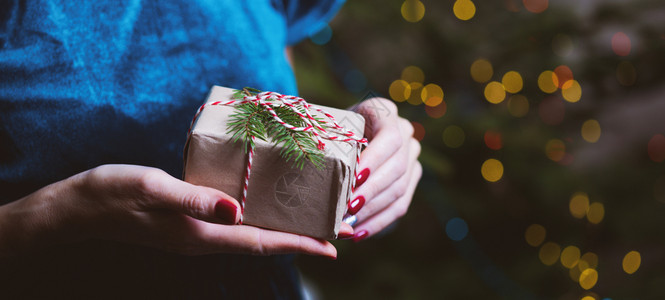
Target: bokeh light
<point>591,131</point>
<point>570,256</point>
<point>464,9</point>
<point>549,253</point>
<point>481,70</point>
<point>572,91</point>
<point>535,235</point>
<point>595,213</point>
<point>413,10</point>
<point>412,74</point>
<point>418,131</point>
<point>575,273</point>
<point>588,261</point>
<point>512,82</point>
<point>588,278</point>
<point>495,92</point>
<point>631,262</point>
<point>414,98</point>
<point>548,82</point>
<point>453,136</point>
<point>431,95</point>
<point>656,148</point>
<point>562,45</point>
<point>579,205</point>
<point>457,229</point>
<point>563,77</point>
<point>399,90</point>
<point>492,170</point>
<point>621,44</point>
<point>493,140</point>
<point>518,105</point>
<point>588,297</point>
<point>626,73</point>
<point>551,110</point>
<point>437,111</point>
<point>555,149</point>
<point>323,36</point>
<point>535,6</point>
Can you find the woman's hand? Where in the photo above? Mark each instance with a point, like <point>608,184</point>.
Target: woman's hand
<point>389,168</point>
<point>145,206</point>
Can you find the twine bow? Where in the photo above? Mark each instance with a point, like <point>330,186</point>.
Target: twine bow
<point>321,129</point>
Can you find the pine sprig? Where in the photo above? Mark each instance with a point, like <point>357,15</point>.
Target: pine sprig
<point>253,120</point>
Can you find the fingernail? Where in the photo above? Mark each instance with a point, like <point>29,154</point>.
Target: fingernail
<point>226,212</point>
<point>344,235</point>
<point>360,235</point>
<point>356,205</point>
<point>362,177</point>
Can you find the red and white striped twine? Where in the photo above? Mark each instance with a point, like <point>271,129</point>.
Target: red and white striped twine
<point>321,129</point>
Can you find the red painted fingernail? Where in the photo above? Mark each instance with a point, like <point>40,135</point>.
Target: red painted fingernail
<point>360,235</point>
<point>362,177</point>
<point>344,236</point>
<point>356,205</point>
<point>226,212</point>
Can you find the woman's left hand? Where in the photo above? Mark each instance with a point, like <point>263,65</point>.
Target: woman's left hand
<point>389,170</point>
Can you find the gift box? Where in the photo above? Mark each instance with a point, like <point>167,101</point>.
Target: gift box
<point>304,199</point>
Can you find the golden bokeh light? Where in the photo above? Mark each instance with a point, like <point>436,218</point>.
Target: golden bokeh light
<point>588,278</point>
<point>512,82</point>
<point>656,148</point>
<point>588,298</point>
<point>626,73</point>
<point>464,9</point>
<point>495,92</point>
<point>579,205</point>
<point>595,213</point>
<point>621,44</point>
<point>562,45</point>
<point>570,256</point>
<point>535,235</point>
<point>453,136</point>
<point>399,90</point>
<point>412,74</point>
<point>518,105</point>
<point>431,95</point>
<point>575,273</point>
<point>573,92</point>
<point>413,10</point>
<point>492,170</point>
<point>414,98</point>
<point>549,253</point>
<point>481,70</point>
<point>535,6</point>
<point>631,262</point>
<point>547,82</point>
<point>563,77</point>
<point>588,261</point>
<point>591,131</point>
<point>555,149</point>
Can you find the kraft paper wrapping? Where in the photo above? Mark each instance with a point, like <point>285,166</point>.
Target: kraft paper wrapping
<point>310,201</point>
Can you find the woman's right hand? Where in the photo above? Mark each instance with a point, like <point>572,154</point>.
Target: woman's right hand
<point>145,206</point>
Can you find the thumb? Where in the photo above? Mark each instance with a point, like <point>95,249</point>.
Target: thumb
<point>203,203</point>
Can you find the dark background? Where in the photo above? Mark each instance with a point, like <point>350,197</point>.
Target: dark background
<point>464,236</point>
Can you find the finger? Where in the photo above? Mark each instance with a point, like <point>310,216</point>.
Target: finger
<point>382,131</point>
<point>199,202</point>
<point>389,184</point>
<point>345,231</point>
<point>257,241</point>
<point>390,214</point>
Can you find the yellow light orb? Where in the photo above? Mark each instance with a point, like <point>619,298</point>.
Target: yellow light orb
<point>588,278</point>
<point>572,91</point>
<point>464,9</point>
<point>547,82</point>
<point>399,90</point>
<point>481,70</point>
<point>588,297</point>
<point>631,262</point>
<point>492,170</point>
<point>591,131</point>
<point>414,98</point>
<point>579,205</point>
<point>453,136</point>
<point>595,213</point>
<point>512,81</point>
<point>570,256</point>
<point>575,273</point>
<point>518,106</point>
<point>413,10</point>
<point>626,73</point>
<point>549,253</point>
<point>413,74</point>
<point>588,261</point>
<point>495,92</point>
<point>432,95</point>
<point>535,235</point>
<point>555,149</point>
